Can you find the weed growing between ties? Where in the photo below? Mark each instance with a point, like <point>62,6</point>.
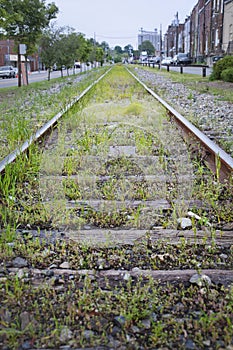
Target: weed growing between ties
<point>118,128</point>
<point>52,308</point>
<point>25,110</point>
<point>215,195</point>
<point>146,254</point>
<point>20,204</point>
<point>121,127</point>
<point>56,292</point>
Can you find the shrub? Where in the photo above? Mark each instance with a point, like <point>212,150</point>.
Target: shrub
<point>220,66</point>
<point>227,75</point>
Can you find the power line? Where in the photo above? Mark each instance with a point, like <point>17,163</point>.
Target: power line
<point>115,37</point>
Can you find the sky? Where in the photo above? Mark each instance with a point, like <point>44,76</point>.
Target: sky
<point>118,22</point>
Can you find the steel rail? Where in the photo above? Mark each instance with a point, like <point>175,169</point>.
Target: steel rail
<point>44,129</point>
<point>214,152</point>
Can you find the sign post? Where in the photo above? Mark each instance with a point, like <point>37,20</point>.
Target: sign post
<point>21,70</point>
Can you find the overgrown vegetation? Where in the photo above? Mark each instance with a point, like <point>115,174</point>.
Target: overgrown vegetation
<point>223,69</point>
<point>60,287</point>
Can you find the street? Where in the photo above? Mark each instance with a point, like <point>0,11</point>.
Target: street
<point>190,69</point>
<point>39,76</point>
<point>43,75</point>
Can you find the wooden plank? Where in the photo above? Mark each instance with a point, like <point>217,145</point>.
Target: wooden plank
<point>98,237</point>
<point>132,236</point>
<point>217,276</point>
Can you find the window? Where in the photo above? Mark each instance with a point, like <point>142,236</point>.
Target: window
<point>216,38</point>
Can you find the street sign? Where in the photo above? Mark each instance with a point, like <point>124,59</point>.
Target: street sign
<point>22,49</point>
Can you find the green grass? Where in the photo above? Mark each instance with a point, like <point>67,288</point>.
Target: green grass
<point>44,305</point>
<point>24,110</point>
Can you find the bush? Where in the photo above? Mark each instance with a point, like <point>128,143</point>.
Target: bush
<point>220,66</point>
<point>227,75</point>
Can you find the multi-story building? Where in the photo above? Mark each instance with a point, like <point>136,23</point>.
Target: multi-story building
<point>170,40</point>
<point>187,35</point>
<point>206,33</point>
<point>217,27</point>
<point>153,37</point>
<point>194,33</point>
<point>227,40</point>
<point>204,29</point>
<point>174,39</point>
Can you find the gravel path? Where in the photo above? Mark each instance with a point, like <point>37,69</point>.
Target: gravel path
<point>208,112</point>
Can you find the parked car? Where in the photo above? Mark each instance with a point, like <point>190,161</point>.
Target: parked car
<point>217,58</point>
<point>77,64</point>
<point>154,59</point>
<point>181,58</point>
<point>16,70</point>
<point>166,61</point>
<point>157,59</point>
<point>7,72</point>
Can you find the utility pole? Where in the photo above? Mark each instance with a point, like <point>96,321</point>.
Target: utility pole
<point>161,45</point>
<point>177,32</point>
<point>95,50</point>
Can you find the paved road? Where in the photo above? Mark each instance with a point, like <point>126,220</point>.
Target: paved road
<point>190,70</point>
<point>38,76</point>
<point>186,69</point>
<point>43,75</point>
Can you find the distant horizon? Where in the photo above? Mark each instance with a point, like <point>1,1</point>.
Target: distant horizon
<point>119,24</point>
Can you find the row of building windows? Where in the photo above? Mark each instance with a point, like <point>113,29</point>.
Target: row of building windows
<point>206,32</point>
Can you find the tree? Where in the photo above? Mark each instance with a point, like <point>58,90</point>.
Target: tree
<point>24,20</point>
<point>147,46</point>
<point>48,47</point>
<point>104,45</point>
<point>83,48</point>
<point>63,46</point>
<point>66,47</point>
<point>99,55</point>
<point>128,48</point>
<point>118,50</point>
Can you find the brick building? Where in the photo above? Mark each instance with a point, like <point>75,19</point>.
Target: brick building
<point>9,56</point>
<point>7,49</point>
<point>206,32</point>
<point>227,44</point>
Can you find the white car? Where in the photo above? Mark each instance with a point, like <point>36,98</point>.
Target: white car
<point>166,61</point>
<point>7,72</point>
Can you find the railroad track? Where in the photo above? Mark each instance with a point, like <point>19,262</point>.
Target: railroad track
<point>119,181</point>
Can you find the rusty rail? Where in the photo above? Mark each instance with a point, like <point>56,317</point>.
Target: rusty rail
<point>44,129</point>
<point>214,154</point>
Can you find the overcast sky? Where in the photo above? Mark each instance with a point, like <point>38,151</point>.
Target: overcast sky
<point>118,22</point>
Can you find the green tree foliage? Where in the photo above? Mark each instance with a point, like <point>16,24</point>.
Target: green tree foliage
<point>117,58</point>
<point>128,48</point>
<point>118,50</point>
<point>69,48</point>
<point>96,54</point>
<point>100,55</point>
<point>48,46</point>
<point>63,46</point>
<point>220,66</point>
<point>24,20</point>
<point>147,46</point>
<point>104,45</point>
<point>227,75</point>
